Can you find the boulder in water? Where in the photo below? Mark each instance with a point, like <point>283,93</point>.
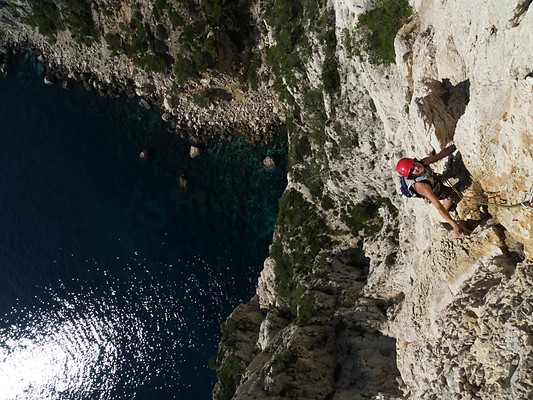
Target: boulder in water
<point>269,163</point>
<point>194,152</point>
<point>49,79</point>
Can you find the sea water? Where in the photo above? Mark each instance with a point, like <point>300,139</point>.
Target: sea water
<point>113,280</point>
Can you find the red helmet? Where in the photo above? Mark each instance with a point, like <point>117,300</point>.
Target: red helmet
<point>404,166</point>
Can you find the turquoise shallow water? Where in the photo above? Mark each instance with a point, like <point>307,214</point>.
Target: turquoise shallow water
<point>113,281</point>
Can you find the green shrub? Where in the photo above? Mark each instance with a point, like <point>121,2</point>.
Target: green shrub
<point>253,67</point>
<point>330,75</point>
<point>176,20</point>
<point>327,203</point>
<point>210,49</point>
<point>364,217</point>
<point>46,17</point>
<point>80,20</point>
<point>299,150</point>
<point>378,28</point>
<point>286,19</point>
<point>160,5</point>
<point>229,15</point>
<point>183,69</point>
<point>330,72</point>
<point>114,42</point>
<point>160,48</point>
<point>304,310</point>
<point>154,62</point>
<point>228,377</point>
<point>201,99</point>
<point>52,17</point>
<point>305,235</point>
<point>161,32</point>
<point>228,328</point>
<point>315,116</point>
<point>199,61</point>
<point>350,43</point>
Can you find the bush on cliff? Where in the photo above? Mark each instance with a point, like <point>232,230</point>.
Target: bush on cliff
<point>229,375</point>
<point>305,235</point>
<point>378,28</point>
<point>52,17</point>
<point>46,17</point>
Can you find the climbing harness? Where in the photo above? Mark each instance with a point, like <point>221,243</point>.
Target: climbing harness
<point>526,202</point>
<point>433,179</point>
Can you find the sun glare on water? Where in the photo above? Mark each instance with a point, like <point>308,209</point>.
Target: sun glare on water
<point>94,340</point>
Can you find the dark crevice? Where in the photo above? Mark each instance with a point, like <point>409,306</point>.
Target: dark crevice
<point>365,360</point>
<point>512,251</point>
<point>444,105</point>
<point>519,13</point>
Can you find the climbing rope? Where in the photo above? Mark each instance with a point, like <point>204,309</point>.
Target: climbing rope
<point>526,202</point>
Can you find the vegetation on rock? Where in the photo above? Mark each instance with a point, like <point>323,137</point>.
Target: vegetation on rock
<point>53,16</point>
<point>176,36</point>
<point>364,216</point>
<point>378,28</point>
<point>229,375</point>
<point>302,235</point>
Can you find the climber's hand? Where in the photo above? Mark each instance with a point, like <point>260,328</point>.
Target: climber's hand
<point>457,230</point>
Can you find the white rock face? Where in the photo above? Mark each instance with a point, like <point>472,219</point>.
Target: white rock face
<point>486,45</point>
<point>456,329</point>
<point>459,310</point>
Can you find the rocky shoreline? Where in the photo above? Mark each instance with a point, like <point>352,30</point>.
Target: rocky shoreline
<point>212,108</point>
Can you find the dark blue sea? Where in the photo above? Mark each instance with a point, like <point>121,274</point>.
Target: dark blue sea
<point>113,281</point>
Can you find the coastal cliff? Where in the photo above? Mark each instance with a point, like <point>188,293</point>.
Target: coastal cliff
<point>365,294</point>
<point>197,64</point>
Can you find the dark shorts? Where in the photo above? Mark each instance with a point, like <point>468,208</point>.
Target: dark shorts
<point>446,193</point>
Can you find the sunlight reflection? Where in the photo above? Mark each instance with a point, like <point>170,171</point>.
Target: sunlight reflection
<point>47,359</point>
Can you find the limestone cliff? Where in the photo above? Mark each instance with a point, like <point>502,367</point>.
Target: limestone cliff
<point>366,294</point>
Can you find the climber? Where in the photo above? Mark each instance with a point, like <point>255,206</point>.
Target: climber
<point>425,183</point>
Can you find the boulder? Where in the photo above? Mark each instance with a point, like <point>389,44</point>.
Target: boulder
<point>269,163</point>
<point>194,152</point>
<point>49,79</point>
<point>183,183</point>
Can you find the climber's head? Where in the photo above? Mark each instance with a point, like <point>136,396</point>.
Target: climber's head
<point>404,166</point>
<point>410,168</point>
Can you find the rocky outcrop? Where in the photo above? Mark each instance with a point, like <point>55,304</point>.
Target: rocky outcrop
<point>336,347</point>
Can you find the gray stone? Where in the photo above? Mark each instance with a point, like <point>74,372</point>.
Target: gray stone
<point>49,79</point>
<point>269,163</point>
<point>194,152</point>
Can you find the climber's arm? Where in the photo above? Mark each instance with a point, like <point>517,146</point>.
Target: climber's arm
<point>425,190</point>
<point>439,156</point>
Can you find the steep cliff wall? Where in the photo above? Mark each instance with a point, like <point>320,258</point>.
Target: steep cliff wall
<point>367,295</point>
